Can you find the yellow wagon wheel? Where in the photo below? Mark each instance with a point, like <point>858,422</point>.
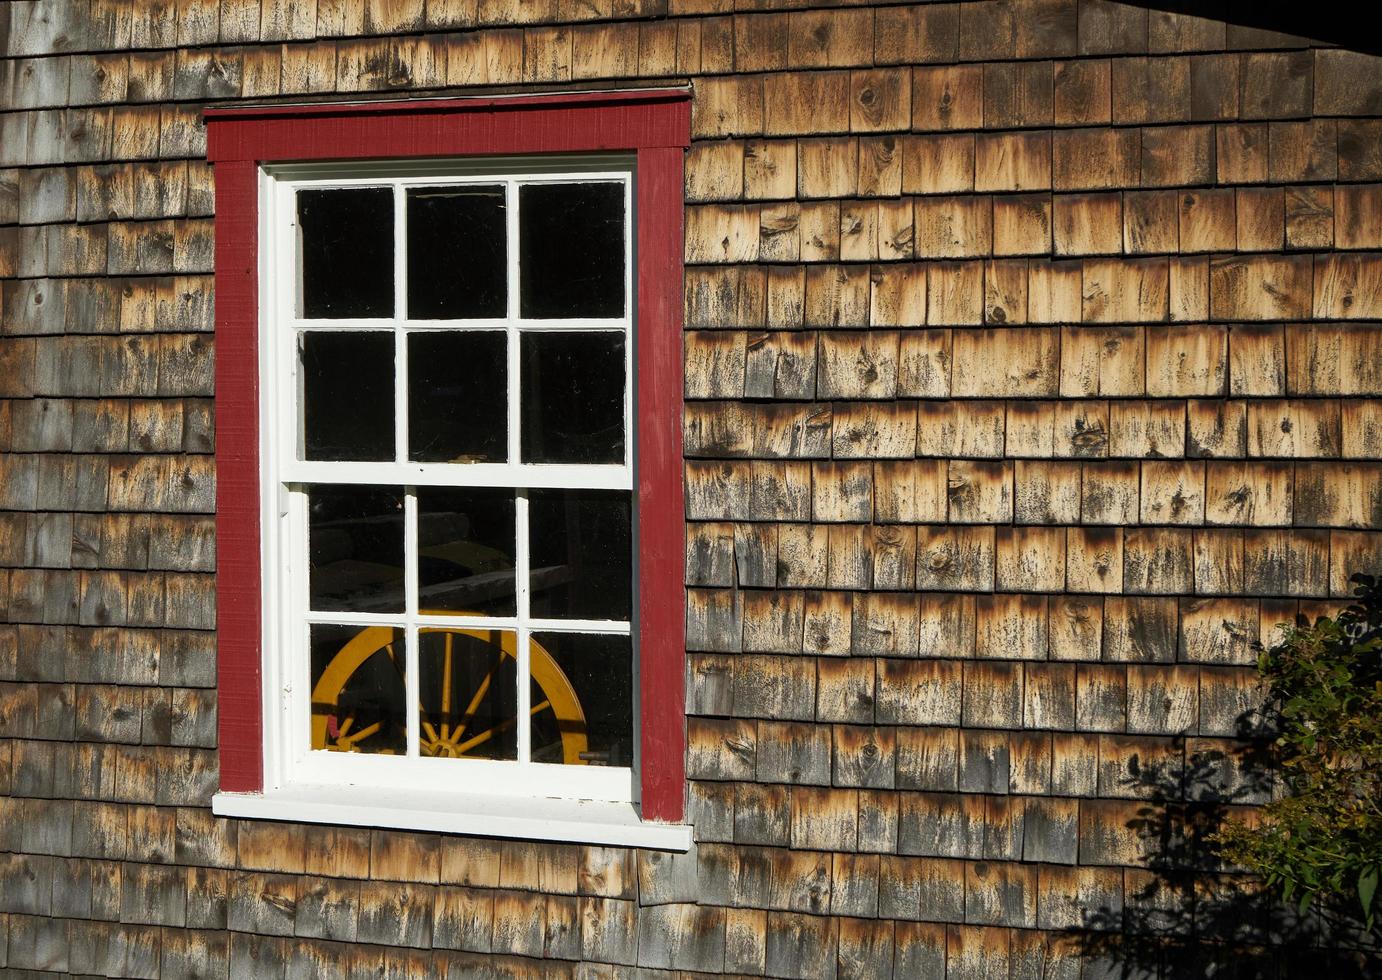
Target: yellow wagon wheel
<point>448,728</point>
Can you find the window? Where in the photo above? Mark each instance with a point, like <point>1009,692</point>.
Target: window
<point>464,425</point>
<point>453,457</point>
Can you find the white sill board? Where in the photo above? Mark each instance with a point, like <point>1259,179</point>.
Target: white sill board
<point>483,815</point>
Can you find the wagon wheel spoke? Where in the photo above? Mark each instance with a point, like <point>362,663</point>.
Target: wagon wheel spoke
<point>475,700</point>
<point>393,659</point>
<point>503,726</point>
<point>351,741</point>
<point>446,689</point>
<point>484,736</point>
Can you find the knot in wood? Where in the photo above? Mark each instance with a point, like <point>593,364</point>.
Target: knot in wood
<point>1088,437</point>
<point>939,561</point>
<point>866,369</point>
<point>869,755</point>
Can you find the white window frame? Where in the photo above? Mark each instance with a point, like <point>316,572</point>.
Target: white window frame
<point>289,762</point>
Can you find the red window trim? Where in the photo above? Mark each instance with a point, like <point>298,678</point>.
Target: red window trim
<point>655,125</point>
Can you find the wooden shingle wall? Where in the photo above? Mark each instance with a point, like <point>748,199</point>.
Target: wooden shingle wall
<point>1031,377</point>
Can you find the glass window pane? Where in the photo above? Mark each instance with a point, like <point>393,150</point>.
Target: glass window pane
<point>457,263</point>
<point>582,699</point>
<point>355,548</point>
<point>571,250</point>
<point>466,551</point>
<point>582,554</point>
<point>458,396</point>
<point>469,691</point>
<point>347,252</point>
<point>347,395</point>
<point>358,690</point>
<point>573,397</point>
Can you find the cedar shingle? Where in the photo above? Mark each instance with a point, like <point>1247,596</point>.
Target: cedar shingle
<point>1013,162</point>
<point>1000,894</point>
<point>1357,150</point>
<point>793,753</point>
<point>992,695</point>
<point>953,227</point>
<point>1277,84</point>
<point>959,429</point>
<point>1177,155</point>
<point>814,102</point>
<point>1347,286</point>
<point>1149,429</point>
<point>1049,831</point>
<point>1095,159</point>
<point>328,909</point>
<point>1252,494</point>
<point>1241,153</point>
<point>1018,94</point>
<point>980,492</point>
<point>1126,290</point>
<point>1106,835</point>
<point>921,692</point>
<point>984,768</point>
<point>830,38</point>
<point>728,106</point>
<point>857,364</point>
<point>1005,292</point>
<point>1217,631</point>
<point>609,930</point>
<point>947,98</point>
<point>518,925</point>
<point>1301,151</point>
<point>1207,221</point>
<point>1093,560</point>
<point>884,624</point>
<point>1071,898</point>
<point>838,296</point>
<point>801,946</point>
<point>880,100</point>
<point>906,35</point>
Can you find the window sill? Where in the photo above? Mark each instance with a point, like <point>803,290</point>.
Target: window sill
<point>572,821</point>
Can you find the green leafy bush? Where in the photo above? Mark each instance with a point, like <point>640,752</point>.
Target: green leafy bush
<point>1321,841</point>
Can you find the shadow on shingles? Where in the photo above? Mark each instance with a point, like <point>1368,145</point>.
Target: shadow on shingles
<point>1191,915</point>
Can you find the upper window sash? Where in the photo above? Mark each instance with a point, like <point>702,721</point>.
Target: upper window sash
<point>282,246</point>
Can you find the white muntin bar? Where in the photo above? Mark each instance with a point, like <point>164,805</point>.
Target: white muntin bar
<point>535,476</point>
<point>411,676</point>
<point>525,727</point>
<point>467,621</point>
<point>530,324</point>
